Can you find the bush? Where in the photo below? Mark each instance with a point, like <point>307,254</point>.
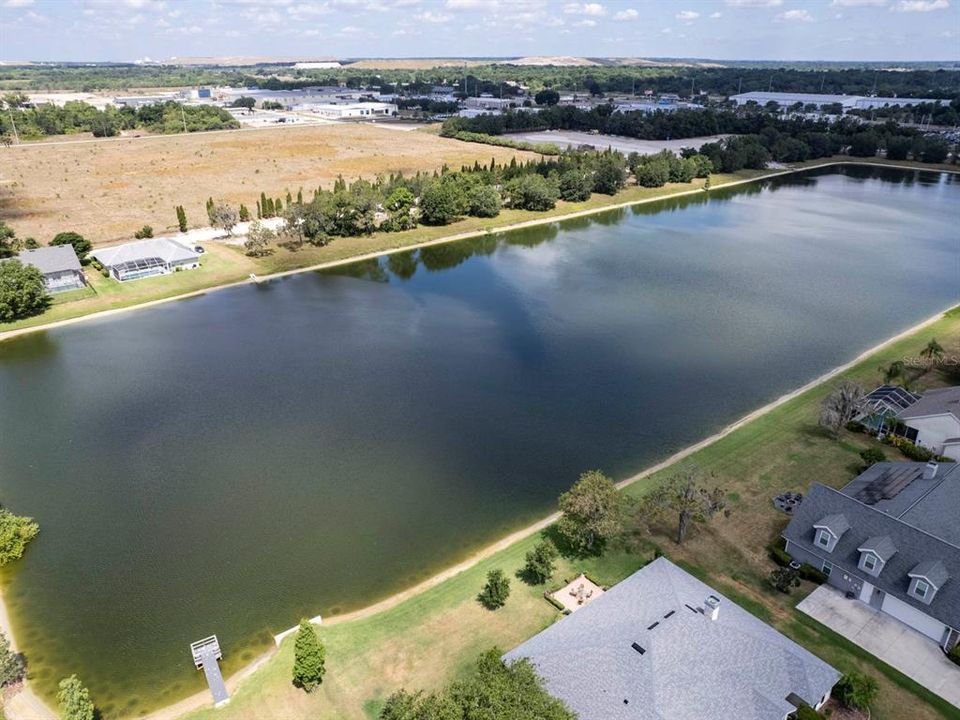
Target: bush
<point>779,555</point>
<point>857,427</point>
<point>145,232</point>
<point>441,203</point>
<point>785,579</point>
<point>12,667</point>
<point>805,712</point>
<point>483,201</point>
<point>856,690</point>
<point>575,186</point>
<point>653,174</point>
<point>809,572</point>
<point>954,655</point>
<point>495,593</point>
<point>912,451</point>
<point>532,192</point>
<point>872,456</point>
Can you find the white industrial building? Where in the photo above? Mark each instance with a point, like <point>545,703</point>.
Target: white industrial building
<point>847,102</point>
<point>345,111</point>
<point>488,102</point>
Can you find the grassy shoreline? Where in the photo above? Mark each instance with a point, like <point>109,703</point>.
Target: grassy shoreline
<point>430,634</point>
<point>225,267</point>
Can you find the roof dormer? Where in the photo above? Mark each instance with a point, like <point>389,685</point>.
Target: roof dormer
<point>926,579</point>
<point>874,554</point>
<point>829,530</point>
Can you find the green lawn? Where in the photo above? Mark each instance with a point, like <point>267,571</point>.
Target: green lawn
<point>432,638</point>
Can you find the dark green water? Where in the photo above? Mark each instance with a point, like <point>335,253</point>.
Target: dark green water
<point>231,463</point>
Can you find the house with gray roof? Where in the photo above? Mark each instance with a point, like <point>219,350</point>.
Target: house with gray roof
<point>662,645</point>
<point>147,258</point>
<point>935,421</point>
<point>890,539</point>
<point>884,402</point>
<point>59,266</point>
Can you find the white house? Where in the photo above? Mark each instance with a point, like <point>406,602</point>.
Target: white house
<point>936,419</point>
<point>147,258</point>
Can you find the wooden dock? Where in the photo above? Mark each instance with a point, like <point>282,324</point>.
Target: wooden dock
<point>206,654</point>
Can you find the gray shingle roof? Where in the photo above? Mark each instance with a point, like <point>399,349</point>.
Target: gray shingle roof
<point>737,666</point>
<point>934,402</point>
<point>53,259</point>
<point>880,545</point>
<point>914,546</point>
<point>167,250</point>
<point>835,523</point>
<point>932,570</point>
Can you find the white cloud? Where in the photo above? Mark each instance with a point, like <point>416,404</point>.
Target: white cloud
<point>309,9</point>
<point>799,16</point>
<point>192,30</point>
<point>754,3</point>
<point>921,5</point>
<point>715,15</point>
<point>667,31</point>
<point>858,3</point>
<point>687,15</point>
<point>585,23</point>
<point>595,9</point>
<point>628,14</point>
<point>468,4</point>
<point>432,17</point>
<point>18,3</point>
<point>351,30</point>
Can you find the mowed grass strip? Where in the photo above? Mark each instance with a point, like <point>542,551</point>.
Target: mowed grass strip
<point>433,638</point>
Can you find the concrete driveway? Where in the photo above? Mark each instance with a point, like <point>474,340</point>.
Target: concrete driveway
<point>898,645</point>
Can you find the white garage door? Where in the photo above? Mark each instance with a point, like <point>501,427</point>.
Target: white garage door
<point>909,615</point>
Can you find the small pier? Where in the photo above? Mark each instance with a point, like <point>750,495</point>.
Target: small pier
<point>206,654</point>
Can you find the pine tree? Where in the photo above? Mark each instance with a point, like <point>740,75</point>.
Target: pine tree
<point>270,209</point>
<point>182,218</point>
<point>210,207</point>
<point>277,207</point>
<point>259,211</point>
<point>263,205</point>
<point>300,196</point>
<point>309,658</point>
<point>244,213</point>
<point>289,198</point>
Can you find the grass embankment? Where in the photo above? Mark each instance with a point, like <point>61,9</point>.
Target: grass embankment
<point>433,638</point>
<point>223,265</point>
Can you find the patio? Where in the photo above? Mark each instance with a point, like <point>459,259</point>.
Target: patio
<point>887,638</point>
<point>576,594</point>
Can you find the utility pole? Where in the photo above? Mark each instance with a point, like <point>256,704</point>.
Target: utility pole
<point>16,137</point>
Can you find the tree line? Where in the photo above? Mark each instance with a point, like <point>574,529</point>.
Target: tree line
<point>76,117</point>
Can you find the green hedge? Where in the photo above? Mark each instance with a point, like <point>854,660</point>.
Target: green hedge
<point>500,141</point>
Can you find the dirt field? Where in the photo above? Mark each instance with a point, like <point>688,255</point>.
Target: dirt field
<point>108,189</point>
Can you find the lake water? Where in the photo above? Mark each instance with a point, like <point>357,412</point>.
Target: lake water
<point>233,462</point>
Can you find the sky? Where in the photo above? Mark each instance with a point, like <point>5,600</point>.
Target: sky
<point>129,30</point>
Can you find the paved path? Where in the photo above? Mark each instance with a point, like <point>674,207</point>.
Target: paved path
<point>898,645</point>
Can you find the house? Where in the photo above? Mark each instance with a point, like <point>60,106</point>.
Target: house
<point>146,258</point>
<point>935,421</point>
<point>887,401</point>
<point>59,265</point>
<point>890,539</point>
<point>662,644</point>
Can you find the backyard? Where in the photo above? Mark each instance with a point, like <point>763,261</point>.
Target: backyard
<point>432,638</point>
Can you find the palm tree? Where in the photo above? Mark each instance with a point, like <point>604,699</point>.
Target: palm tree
<point>896,369</point>
<point>933,351</point>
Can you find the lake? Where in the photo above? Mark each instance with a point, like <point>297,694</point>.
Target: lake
<point>230,463</point>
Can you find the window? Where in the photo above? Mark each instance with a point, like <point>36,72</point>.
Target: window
<point>826,568</point>
<point>869,562</point>
<point>921,590</point>
<point>823,539</point>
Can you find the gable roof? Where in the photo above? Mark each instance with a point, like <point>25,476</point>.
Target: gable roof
<point>736,665</point>
<point>914,546</point>
<point>165,249</point>
<point>880,545</point>
<point>932,570</point>
<point>836,523</point>
<point>53,259</point>
<point>934,402</point>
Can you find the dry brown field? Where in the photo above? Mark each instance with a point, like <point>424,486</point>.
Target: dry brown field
<point>108,189</point>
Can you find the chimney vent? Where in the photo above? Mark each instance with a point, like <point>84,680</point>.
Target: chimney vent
<point>930,471</point>
<point>711,607</point>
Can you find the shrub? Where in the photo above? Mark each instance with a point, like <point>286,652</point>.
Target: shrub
<point>912,451</point>
<point>495,593</point>
<point>12,666</point>
<point>872,455</point>
<point>805,712</point>
<point>785,579</point>
<point>809,572</point>
<point>856,690</point>
<point>483,201</point>
<point>954,655</point>
<point>532,192</point>
<point>575,186</point>
<point>653,174</point>
<point>440,203</point>
<point>145,232</point>
<point>779,555</point>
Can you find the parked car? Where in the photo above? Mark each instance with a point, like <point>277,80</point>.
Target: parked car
<point>198,249</point>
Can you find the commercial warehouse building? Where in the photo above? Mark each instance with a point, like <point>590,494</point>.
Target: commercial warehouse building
<point>346,111</point>
<point>847,102</point>
<point>147,258</point>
